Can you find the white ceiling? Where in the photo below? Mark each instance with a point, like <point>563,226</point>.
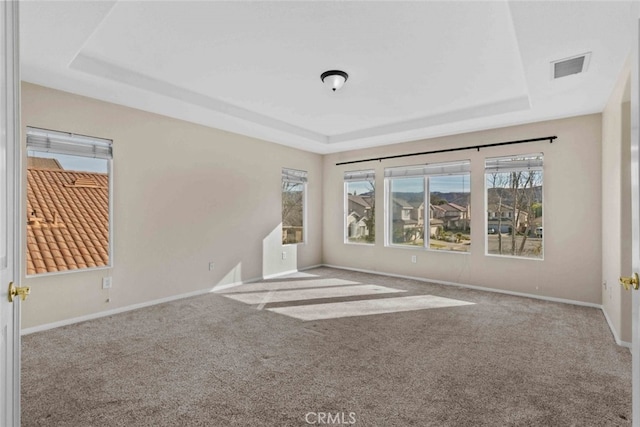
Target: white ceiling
<point>416,69</point>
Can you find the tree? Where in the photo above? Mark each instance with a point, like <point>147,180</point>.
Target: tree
<point>292,206</point>
<point>515,193</point>
<point>370,221</point>
<point>498,181</point>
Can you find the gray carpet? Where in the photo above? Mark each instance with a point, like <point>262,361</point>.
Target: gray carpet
<point>214,361</point>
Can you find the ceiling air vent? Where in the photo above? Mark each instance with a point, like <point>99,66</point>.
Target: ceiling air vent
<point>568,66</point>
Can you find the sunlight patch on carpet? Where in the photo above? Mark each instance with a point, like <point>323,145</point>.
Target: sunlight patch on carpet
<point>367,307</point>
<point>309,294</point>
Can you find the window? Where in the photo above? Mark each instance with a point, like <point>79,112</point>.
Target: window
<point>360,203</point>
<point>406,199</point>
<point>514,206</point>
<point>450,213</point>
<point>68,202</point>
<point>440,221</point>
<point>294,183</point>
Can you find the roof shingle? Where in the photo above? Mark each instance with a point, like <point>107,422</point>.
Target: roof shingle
<point>68,220</point>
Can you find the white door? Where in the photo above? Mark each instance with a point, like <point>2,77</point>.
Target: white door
<point>635,206</point>
<point>9,233</point>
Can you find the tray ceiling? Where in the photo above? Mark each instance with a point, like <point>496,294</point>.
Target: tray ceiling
<point>416,69</point>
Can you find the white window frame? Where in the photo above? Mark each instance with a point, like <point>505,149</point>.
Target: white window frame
<point>506,164</point>
<point>298,177</point>
<point>355,176</point>
<point>459,167</point>
<point>66,143</point>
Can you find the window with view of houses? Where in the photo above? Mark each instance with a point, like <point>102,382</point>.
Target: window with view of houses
<point>514,206</point>
<point>360,202</point>
<point>428,206</point>
<point>68,202</point>
<point>449,212</point>
<point>294,184</point>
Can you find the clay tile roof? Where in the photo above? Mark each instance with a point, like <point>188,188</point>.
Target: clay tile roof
<point>67,220</point>
<point>43,163</point>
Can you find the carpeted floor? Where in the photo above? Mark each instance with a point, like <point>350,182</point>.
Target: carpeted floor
<point>223,360</point>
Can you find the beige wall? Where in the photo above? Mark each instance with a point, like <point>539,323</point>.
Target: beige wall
<point>616,206</point>
<point>184,195</point>
<point>571,268</point>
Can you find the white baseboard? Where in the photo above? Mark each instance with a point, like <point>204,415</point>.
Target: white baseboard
<point>92,316</point>
<point>614,332</point>
<point>47,326</point>
<point>276,275</point>
<point>311,267</point>
<point>286,273</point>
<point>479,288</point>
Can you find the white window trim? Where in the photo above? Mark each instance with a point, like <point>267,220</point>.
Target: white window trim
<point>530,166</point>
<point>103,153</point>
<point>355,176</point>
<point>428,218</point>
<point>298,177</point>
<point>459,167</point>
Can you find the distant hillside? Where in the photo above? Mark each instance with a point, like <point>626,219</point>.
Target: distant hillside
<point>414,199</point>
<point>462,199</point>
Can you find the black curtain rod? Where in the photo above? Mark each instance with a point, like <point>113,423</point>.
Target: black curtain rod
<point>447,150</point>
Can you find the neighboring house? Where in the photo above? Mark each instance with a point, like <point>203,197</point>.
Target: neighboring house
<point>504,218</point>
<point>406,224</point>
<point>67,218</point>
<point>436,211</point>
<point>451,215</point>
<point>436,226</point>
<point>357,226</point>
<point>360,204</point>
<point>402,210</point>
<point>360,212</point>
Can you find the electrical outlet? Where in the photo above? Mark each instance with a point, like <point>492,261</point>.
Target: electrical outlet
<point>414,259</point>
<point>106,282</point>
<point>211,266</point>
<point>284,255</point>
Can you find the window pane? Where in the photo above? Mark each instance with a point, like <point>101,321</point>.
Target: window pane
<point>407,211</point>
<point>67,213</point>
<point>360,220</point>
<point>514,213</point>
<point>292,212</point>
<point>449,213</point>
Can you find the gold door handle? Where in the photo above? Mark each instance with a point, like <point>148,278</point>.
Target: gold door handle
<point>629,282</point>
<point>22,292</point>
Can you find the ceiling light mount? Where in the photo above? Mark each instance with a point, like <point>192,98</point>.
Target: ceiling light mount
<point>334,79</point>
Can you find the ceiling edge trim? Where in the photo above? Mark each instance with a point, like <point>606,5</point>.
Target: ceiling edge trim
<point>510,105</point>
<point>107,70</point>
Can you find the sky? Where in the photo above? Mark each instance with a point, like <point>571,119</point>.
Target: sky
<point>75,163</point>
